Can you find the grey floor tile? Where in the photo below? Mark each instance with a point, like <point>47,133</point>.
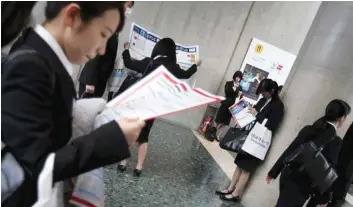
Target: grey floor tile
<point>178,172</point>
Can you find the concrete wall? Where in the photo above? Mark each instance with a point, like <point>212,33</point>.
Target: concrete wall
<point>322,72</point>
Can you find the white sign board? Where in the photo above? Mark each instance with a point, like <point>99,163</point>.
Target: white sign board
<point>264,61</point>
<point>142,42</point>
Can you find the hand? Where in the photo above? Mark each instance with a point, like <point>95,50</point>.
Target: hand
<point>126,45</point>
<point>198,63</point>
<point>131,129</point>
<point>252,111</point>
<point>269,180</point>
<point>90,89</point>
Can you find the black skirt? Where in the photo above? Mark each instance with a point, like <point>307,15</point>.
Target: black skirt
<point>145,132</point>
<point>247,162</point>
<point>223,115</point>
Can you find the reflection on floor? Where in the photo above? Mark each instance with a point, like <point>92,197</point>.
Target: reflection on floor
<point>178,172</point>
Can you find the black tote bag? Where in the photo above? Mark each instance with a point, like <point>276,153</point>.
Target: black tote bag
<point>308,158</point>
<point>234,140</point>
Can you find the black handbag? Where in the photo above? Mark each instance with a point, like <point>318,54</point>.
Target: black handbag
<point>211,133</point>
<point>234,140</point>
<point>308,159</point>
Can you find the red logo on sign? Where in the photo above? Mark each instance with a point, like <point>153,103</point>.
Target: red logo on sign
<point>135,37</point>
<point>279,67</point>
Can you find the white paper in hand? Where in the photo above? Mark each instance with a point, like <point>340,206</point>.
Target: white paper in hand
<point>158,94</point>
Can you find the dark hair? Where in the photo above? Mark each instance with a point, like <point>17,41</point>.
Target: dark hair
<point>132,2</point>
<point>15,15</point>
<point>280,89</point>
<point>268,85</point>
<point>336,109</point>
<point>238,74</point>
<point>165,47</point>
<point>89,9</point>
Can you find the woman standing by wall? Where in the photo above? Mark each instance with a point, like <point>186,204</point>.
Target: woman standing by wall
<point>270,107</point>
<point>232,91</point>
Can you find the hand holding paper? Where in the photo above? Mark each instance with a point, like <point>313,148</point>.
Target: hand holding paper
<point>131,129</point>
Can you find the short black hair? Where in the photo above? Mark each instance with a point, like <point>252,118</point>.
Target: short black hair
<point>238,74</point>
<point>337,109</point>
<point>268,85</point>
<point>89,9</point>
<point>15,15</point>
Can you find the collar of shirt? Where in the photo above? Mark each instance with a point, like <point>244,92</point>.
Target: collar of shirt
<point>332,125</point>
<point>54,45</point>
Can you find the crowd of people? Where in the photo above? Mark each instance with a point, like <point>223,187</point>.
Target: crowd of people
<point>37,106</point>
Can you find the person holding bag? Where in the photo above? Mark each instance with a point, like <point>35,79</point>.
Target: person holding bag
<point>269,107</point>
<point>163,53</point>
<point>298,180</point>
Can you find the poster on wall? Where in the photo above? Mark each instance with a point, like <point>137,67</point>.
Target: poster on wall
<point>264,60</point>
<point>142,42</point>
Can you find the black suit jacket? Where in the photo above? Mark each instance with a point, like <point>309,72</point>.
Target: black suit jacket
<point>273,112</point>
<point>319,135</point>
<point>37,120</point>
<point>345,166</point>
<point>97,71</point>
<point>230,94</point>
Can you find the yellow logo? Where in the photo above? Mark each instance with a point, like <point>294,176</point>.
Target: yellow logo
<point>259,48</point>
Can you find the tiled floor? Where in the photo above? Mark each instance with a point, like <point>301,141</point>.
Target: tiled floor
<point>178,172</point>
<point>181,169</point>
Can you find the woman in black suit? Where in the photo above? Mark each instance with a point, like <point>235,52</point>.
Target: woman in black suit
<point>38,95</point>
<point>344,169</point>
<point>163,53</point>
<point>232,90</point>
<point>269,107</point>
<point>95,74</point>
<point>295,186</point>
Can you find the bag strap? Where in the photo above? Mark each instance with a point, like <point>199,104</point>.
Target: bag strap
<point>325,143</point>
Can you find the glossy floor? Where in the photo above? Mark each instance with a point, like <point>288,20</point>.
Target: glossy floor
<point>178,172</point>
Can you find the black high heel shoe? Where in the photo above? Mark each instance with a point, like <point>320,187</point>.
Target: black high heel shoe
<point>220,192</point>
<point>122,168</point>
<point>137,172</point>
<point>232,199</point>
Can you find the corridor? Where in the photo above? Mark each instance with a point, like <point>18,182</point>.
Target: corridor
<point>178,171</point>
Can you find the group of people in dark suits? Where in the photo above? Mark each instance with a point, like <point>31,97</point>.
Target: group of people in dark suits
<point>294,185</point>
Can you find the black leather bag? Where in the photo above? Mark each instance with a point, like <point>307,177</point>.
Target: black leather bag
<point>234,140</point>
<point>210,133</point>
<point>308,159</point>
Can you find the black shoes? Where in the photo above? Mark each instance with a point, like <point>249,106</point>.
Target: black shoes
<point>220,192</point>
<point>137,172</point>
<point>232,198</point>
<point>122,168</point>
